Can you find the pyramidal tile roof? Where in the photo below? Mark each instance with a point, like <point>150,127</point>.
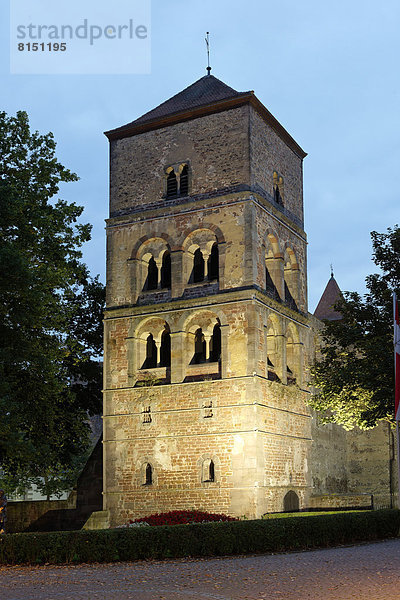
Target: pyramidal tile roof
<point>328,299</point>
<point>206,90</point>
<point>207,95</point>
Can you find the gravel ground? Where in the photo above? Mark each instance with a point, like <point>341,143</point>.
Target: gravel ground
<point>367,571</point>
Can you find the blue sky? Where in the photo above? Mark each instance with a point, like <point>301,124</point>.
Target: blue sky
<point>327,71</point>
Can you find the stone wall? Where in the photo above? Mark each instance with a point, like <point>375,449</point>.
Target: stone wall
<point>216,147</point>
<point>269,153</point>
<point>238,425</point>
<point>245,412</point>
<point>352,462</point>
<point>355,462</point>
<point>61,515</point>
<point>20,515</point>
<point>340,501</point>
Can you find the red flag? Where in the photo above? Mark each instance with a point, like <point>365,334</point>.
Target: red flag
<point>396,357</point>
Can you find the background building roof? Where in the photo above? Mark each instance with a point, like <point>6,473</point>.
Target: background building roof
<point>328,299</point>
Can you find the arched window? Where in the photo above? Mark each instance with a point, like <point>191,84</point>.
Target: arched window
<point>199,347</point>
<point>289,298</point>
<point>172,185</point>
<point>277,195</point>
<point>165,349</point>
<point>291,379</point>
<point>152,275</point>
<point>278,188</point>
<point>291,502</point>
<point>166,271</point>
<point>273,358</point>
<point>151,354</point>
<point>213,267</point>
<point>269,284</point>
<point>198,266</point>
<point>215,344</point>
<point>184,181</point>
<point>208,471</point>
<point>292,356</point>
<point>148,475</point>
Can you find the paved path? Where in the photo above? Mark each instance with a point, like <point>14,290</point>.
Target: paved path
<point>367,572</point>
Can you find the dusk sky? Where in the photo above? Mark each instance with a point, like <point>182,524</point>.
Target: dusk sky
<point>329,72</point>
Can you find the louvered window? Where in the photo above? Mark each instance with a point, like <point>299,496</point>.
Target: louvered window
<point>184,181</point>
<point>172,185</point>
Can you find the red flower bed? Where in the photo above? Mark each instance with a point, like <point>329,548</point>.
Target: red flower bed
<point>180,517</point>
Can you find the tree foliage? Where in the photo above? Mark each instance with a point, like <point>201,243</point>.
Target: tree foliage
<point>354,375</point>
<point>50,315</point>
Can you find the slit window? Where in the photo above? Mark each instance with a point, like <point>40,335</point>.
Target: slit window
<point>148,475</point>
<point>208,471</point>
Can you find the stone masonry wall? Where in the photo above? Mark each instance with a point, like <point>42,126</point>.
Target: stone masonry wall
<point>172,229</point>
<point>245,412</point>
<point>269,153</point>
<point>216,147</point>
<point>254,464</point>
<point>351,462</point>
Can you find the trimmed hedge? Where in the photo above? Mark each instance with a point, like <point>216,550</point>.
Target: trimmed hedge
<point>199,539</point>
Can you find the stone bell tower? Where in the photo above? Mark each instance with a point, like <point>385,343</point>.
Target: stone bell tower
<point>206,323</point>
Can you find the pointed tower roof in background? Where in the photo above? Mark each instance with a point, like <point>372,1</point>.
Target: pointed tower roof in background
<point>328,299</point>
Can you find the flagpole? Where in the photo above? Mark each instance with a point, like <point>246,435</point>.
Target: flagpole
<point>396,384</point>
<point>398,464</point>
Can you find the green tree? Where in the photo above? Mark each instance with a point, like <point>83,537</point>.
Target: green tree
<point>354,375</point>
<point>50,316</point>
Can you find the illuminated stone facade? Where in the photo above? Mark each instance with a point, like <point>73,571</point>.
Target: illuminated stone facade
<point>207,334</point>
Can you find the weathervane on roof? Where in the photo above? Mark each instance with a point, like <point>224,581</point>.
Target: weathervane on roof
<point>331,270</point>
<point>208,52</point>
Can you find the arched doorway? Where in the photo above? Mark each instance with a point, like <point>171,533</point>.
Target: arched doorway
<point>291,502</point>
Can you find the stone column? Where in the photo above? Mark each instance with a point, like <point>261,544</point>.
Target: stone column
<point>281,358</point>
<point>299,357</point>
<point>295,287</point>
<point>178,282</point>
<point>206,256</point>
<point>134,273</point>
<point>221,265</point>
<point>252,339</point>
<point>157,341</point>
<point>178,356</point>
<point>141,347</point>
<point>250,245</point>
<point>224,350</point>
<point>159,266</point>
<point>278,276</point>
<point>131,342</point>
<point>207,338</point>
